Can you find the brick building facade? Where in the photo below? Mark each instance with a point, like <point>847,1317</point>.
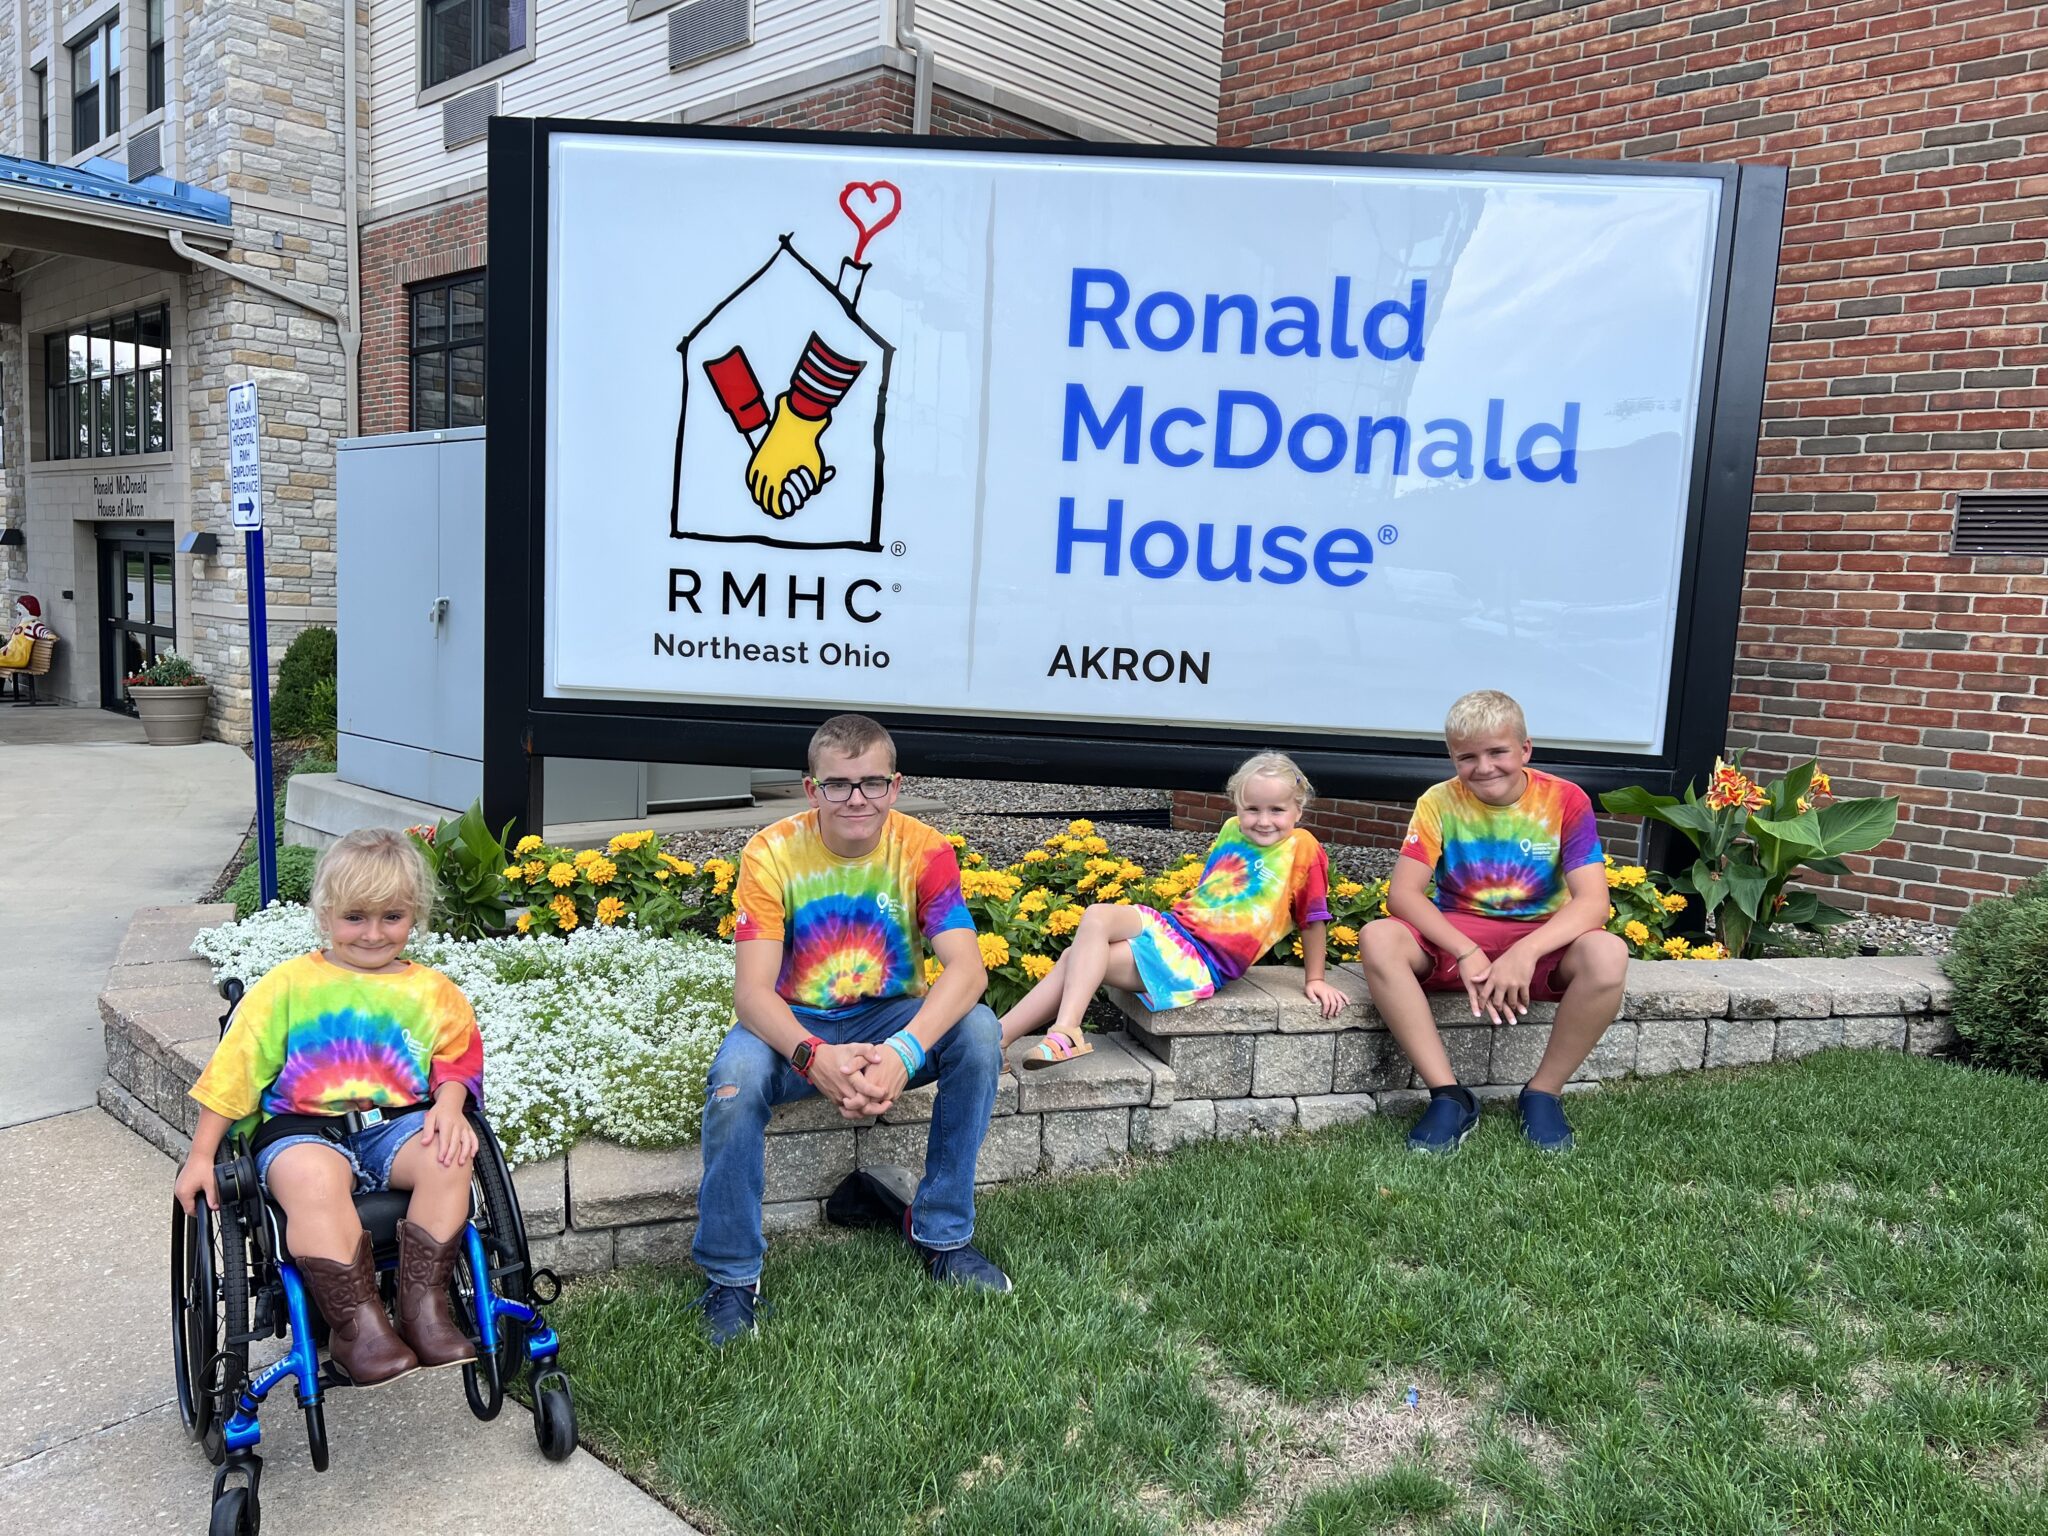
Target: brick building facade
<point>1906,355</point>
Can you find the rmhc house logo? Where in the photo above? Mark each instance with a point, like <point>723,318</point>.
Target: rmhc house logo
<point>805,471</point>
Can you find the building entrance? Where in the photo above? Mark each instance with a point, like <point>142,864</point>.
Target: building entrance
<point>138,605</point>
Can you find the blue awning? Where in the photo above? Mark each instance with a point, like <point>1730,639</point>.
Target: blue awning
<point>106,182</point>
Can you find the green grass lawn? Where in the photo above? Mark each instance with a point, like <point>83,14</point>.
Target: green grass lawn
<point>1808,1298</point>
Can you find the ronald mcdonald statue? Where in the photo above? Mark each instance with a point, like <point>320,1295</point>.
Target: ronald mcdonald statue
<point>28,629</point>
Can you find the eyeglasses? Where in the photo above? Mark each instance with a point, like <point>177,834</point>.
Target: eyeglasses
<point>838,790</point>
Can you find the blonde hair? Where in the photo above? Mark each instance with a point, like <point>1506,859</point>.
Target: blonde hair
<point>372,867</point>
<point>1482,713</point>
<point>849,736</point>
<point>1270,765</point>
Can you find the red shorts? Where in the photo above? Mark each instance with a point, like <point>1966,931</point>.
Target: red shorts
<point>1495,935</point>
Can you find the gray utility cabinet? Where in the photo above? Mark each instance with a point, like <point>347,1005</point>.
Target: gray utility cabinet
<point>410,598</point>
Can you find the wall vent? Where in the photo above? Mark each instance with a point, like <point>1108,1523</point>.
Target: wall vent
<point>2009,524</point>
<point>702,28</point>
<point>145,153</point>
<point>467,118</point>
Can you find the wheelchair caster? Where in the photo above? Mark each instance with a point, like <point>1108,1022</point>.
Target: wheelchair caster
<point>554,1415</point>
<point>235,1509</point>
<point>484,1387</point>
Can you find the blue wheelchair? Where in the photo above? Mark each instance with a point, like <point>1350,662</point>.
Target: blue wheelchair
<point>233,1284</point>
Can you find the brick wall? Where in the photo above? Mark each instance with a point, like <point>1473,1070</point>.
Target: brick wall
<point>453,237</point>
<point>1906,352</point>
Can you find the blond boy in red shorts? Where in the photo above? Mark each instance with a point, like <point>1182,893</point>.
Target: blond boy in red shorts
<point>1519,915</point>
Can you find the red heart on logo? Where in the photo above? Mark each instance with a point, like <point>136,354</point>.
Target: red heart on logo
<point>871,212</point>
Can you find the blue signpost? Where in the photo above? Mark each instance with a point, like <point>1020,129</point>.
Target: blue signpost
<point>245,496</point>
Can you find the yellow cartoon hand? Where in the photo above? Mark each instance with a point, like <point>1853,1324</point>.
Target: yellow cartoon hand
<point>788,467</point>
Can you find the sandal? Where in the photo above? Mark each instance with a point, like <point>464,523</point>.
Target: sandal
<point>1054,1048</point>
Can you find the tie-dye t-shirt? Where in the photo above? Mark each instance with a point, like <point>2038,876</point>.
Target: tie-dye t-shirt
<point>316,1038</point>
<point>1250,896</point>
<point>852,930</point>
<point>1504,860</point>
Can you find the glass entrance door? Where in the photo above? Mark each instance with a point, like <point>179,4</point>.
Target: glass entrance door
<point>138,607</point>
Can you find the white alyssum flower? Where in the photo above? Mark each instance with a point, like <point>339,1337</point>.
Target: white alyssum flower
<point>607,1033</point>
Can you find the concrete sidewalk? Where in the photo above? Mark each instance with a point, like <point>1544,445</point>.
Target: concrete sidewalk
<point>95,824</point>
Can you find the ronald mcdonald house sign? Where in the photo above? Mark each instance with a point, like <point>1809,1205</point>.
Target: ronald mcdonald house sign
<point>1061,444</point>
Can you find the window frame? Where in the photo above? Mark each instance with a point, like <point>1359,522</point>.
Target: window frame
<point>100,45</point>
<point>156,26</point>
<point>429,89</point>
<point>42,76</point>
<point>107,404</point>
<point>444,349</point>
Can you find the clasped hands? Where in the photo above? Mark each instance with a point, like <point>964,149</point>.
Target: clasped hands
<point>789,467</point>
<point>1498,988</point>
<point>861,1079</point>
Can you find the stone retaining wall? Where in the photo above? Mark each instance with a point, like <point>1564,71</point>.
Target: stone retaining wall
<point>1257,1059</point>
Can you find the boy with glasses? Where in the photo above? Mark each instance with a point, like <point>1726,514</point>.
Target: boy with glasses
<point>836,908</point>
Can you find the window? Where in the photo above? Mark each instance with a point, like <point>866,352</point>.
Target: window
<point>461,35</point>
<point>42,74</point>
<point>156,56</point>
<point>448,353</point>
<point>96,85</point>
<point>104,386</point>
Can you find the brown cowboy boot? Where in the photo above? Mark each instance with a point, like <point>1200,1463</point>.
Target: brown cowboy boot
<point>423,1320</point>
<point>360,1339</point>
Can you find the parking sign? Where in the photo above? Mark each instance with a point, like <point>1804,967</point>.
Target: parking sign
<point>245,468</point>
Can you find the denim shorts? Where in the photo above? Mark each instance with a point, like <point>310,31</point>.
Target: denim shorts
<point>370,1151</point>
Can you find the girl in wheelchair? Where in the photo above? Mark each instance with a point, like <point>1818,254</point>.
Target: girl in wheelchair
<point>354,1065</point>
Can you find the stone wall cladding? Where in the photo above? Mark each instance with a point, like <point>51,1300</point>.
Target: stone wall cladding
<point>1905,357</point>
<point>1255,1060</point>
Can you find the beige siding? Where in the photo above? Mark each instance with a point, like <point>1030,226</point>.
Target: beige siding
<point>1150,69</point>
<point>589,61</point>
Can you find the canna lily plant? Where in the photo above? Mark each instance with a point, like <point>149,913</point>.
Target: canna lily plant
<point>1752,838</point>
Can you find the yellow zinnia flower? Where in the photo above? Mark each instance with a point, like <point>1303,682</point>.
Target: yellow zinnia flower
<point>533,869</point>
<point>1037,967</point>
<point>1080,828</point>
<point>995,949</point>
<point>1633,874</point>
<point>1100,866</point>
<point>1676,948</point>
<point>584,856</point>
<point>1111,892</point>
<point>511,872</point>
<point>1636,933</point>
<point>525,923</point>
<point>1673,902</point>
<point>1094,845</point>
<point>1064,920</point>
<point>1345,889</point>
<point>562,874</point>
<point>727,924</point>
<point>1036,856</point>
<point>957,840</point>
<point>602,871</point>
<point>610,910</point>
<point>932,969</point>
<point>1706,952</point>
<point>1339,934</point>
<point>526,845</point>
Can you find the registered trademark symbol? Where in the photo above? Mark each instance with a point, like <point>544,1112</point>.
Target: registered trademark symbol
<point>1389,533</point>
<point>898,547</point>
<point>895,586</point>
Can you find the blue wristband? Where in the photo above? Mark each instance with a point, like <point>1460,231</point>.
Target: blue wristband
<point>909,1050</point>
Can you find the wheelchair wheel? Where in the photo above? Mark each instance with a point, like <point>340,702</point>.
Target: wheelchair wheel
<point>504,1236</point>
<point>316,1435</point>
<point>209,1320</point>
<point>554,1415</point>
<point>235,1514</point>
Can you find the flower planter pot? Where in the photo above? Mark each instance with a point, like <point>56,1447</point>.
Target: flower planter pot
<point>171,717</point>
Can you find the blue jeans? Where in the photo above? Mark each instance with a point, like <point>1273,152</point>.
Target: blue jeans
<point>965,1064</point>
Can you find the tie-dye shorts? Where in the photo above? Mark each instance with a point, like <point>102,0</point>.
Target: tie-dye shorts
<point>1172,969</point>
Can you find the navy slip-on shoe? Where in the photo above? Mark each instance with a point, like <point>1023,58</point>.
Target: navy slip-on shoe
<point>1543,1120</point>
<point>1448,1120</point>
<point>965,1265</point>
<point>729,1311</point>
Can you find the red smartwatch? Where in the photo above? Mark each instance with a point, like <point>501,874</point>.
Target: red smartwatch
<point>801,1057</point>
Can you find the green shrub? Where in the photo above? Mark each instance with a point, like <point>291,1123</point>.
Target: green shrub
<point>2000,971</point>
<point>294,880</point>
<point>303,706</point>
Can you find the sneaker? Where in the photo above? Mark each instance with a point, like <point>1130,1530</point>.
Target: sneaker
<point>729,1311</point>
<point>965,1265</point>
<point>1543,1120</point>
<point>1452,1113</point>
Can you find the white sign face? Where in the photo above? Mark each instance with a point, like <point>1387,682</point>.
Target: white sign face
<point>245,466</point>
<point>1203,442</point>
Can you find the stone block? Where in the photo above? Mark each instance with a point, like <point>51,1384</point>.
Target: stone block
<point>1517,1052</point>
<point>914,1107</point>
<point>1085,1138</point>
<point>789,1216</point>
<point>1758,991</point>
<point>1855,988</point>
<point>1929,1034</point>
<point>1614,1056</point>
<point>1238,1118</point>
<point>663,1243</point>
<point>1241,1008</point>
<point>806,1166</point>
<point>1320,1111</point>
<point>1663,989</point>
<point>1284,1066</point>
<point>1368,1061</point>
<point>1470,1050</point>
<point>1924,971</point>
<point>1670,1045</point>
<point>163,935</point>
<point>1161,1128</point>
<point>1006,1095</point>
<point>1208,1066</point>
<point>1874,1032</point>
<point>1395,1101</point>
<point>814,1112</point>
<point>1802,1037</point>
<point>1295,1013</point>
<point>543,1191</point>
<point>1009,1151</point>
<point>1740,1042</point>
<point>615,1186</point>
<point>1109,1077</point>
<point>570,1254</point>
